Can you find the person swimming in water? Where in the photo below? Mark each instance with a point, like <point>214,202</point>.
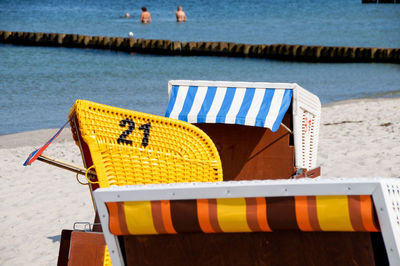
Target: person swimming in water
<point>127,15</point>
<point>145,17</point>
<point>180,15</point>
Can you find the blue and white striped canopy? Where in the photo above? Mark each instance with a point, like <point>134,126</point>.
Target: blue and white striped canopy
<point>244,106</point>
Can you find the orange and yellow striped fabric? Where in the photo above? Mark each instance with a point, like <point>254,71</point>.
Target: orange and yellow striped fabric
<point>304,213</point>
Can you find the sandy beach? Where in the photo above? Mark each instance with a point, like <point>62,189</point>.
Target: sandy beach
<point>357,138</point>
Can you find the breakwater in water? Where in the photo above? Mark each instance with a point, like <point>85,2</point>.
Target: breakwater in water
<point>380,1</point>
<point>274,51</point>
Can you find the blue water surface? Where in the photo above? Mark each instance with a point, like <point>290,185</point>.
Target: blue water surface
<point>38,85</point>
<point>316,22</point>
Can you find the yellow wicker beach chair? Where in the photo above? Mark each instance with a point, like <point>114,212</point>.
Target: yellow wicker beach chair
<point>129,148</point>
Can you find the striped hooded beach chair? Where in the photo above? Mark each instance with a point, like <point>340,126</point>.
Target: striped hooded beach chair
<point>270,127</point>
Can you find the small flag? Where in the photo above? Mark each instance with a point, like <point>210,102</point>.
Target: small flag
<point>34,155</point>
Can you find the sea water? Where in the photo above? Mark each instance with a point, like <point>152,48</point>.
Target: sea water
<point>38,85</point>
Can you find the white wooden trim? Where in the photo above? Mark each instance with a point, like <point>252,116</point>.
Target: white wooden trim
<point>111,240</point>
<point>235,84</point>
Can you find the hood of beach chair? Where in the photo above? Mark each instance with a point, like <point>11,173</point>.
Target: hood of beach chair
<point>250,104</point>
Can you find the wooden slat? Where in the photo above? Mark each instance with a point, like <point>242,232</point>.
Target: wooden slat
<point>87,248</point>
<point>275,248</point>
<point>64,248</point>
<point>253,152</point>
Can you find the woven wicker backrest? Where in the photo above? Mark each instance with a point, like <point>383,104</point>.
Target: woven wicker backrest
<point>129,148</point>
